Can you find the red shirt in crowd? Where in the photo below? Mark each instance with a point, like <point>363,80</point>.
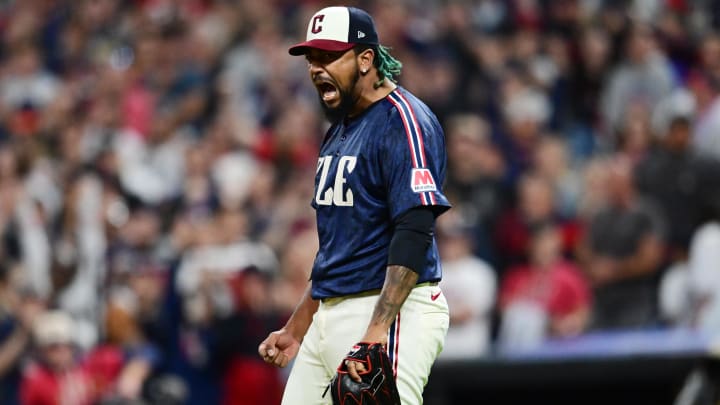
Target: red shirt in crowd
<point>560,289</point>
<point>83,384</point>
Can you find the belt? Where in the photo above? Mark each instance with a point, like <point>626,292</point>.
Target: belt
<point>369,293</point>
<point>427,284</point>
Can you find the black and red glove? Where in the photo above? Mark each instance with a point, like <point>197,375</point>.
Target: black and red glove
<point>378,381</point>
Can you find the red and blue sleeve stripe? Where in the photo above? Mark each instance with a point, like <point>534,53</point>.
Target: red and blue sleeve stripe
<point>414,137</point>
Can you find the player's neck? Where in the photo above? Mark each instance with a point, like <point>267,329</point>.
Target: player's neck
<point>372,94</point>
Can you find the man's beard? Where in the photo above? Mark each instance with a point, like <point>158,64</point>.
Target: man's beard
<point>347,102</point>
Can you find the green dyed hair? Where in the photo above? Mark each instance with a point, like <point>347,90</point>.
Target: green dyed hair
<point>387,66</point>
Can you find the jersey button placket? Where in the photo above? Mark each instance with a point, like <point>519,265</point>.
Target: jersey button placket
<point>342,139</point>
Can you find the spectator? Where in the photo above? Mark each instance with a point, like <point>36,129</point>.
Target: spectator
<point>681,181</point>
<point>78,267</point>
<point>595,188</point>
<point>548,297</point>
<point>709,54</point>
<point>689,288</point>
<point>643,78</point>
<point>19,308</point>
<point>551,163</point>
<point>151,169</point>
<point>246,379</point>
<point>706,89</point>
<point>535,206</point>
<point>220,250</point>
<point>525,111</point>
<point>475,175</point>
<point>63,375</point>
<point>136,285</point>
<point>634,134</point>
<point>469,285</point>
<point>26,89</point>
<point>586,81</point>
<point>199,195</point>
<point>703,277</point>
<point>621,253</point>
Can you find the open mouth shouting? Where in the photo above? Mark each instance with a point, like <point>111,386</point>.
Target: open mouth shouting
<point>328,91</point>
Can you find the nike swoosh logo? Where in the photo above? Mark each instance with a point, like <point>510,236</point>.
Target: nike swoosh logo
<point>435,296</point>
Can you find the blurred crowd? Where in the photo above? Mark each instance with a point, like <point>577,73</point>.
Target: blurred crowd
<point>157,160</point>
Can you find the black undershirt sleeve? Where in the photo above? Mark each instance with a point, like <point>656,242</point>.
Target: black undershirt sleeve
<point>412,238</point>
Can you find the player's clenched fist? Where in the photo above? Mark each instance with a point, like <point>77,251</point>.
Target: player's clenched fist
<point>279,348</point>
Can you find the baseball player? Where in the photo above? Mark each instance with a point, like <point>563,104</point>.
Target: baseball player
<point>377,194</point>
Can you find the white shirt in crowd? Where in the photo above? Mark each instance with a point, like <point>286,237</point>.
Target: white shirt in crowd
<point>468,284</point>
<point>689,292</point>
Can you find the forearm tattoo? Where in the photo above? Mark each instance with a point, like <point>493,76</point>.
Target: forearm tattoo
<point>399,281</point>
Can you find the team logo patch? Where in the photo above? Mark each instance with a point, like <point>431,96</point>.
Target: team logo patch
<point>316,23</point>
<point>422,181</point>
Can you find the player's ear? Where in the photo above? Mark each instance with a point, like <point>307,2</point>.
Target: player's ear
<point>365,60</point>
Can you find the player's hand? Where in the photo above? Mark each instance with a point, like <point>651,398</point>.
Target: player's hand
<point>373,334</point>
<point>279,348</point>
<point>354,369</point>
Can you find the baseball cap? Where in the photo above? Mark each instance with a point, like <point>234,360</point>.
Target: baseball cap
<point>54,327</point>
<point>337,29</point>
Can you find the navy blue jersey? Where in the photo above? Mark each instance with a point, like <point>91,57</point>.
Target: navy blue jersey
<point>371,169</point>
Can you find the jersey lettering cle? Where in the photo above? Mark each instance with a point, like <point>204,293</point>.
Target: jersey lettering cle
<point>371,169</point>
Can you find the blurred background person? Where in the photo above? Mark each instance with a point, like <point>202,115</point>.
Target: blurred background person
<point>56,377</point>
<point>63,373</point>
<point>552,163</point>
<point>680,180</point>
<point>526,111</point>
<point>548,297</point>
<point>535,205</point>
<point>703,276</point>
<point>19,308</point>
<point>585,85</point>
<point>622,252</point>
<point>642,79</point>
<point>469,285</point>
<point>688,290</point>
<point>704,82</point>
<point>475,178</point>
<point>246,379</point>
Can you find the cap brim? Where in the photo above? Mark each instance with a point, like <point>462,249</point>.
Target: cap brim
<point>322,44</point>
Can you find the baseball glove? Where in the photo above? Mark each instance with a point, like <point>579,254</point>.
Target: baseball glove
<point>378,382</point>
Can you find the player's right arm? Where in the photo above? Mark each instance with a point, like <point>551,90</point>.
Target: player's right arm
<point>283,345</point>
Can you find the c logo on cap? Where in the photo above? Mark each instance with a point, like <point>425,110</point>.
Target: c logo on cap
<point>316,26</point>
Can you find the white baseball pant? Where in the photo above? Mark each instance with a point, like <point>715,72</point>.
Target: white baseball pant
<point>414,342</point>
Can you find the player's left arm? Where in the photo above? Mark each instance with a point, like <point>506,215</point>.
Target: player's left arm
<point>411,239</point>
<point>399,281</point>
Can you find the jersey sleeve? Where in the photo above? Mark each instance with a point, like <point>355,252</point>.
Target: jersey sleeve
<point>413,160</point>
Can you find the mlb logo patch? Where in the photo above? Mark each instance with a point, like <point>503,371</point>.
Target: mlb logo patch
<point>422,181</point>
